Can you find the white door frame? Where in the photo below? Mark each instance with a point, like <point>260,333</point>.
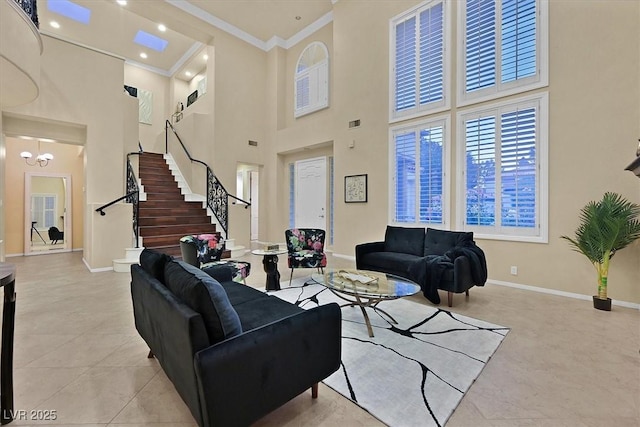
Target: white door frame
<point>68,220</point>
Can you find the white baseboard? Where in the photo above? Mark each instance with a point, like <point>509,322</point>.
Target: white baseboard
<point>13,255</point>
<point>560,293</point>
<point>534,289</point>
<point>96,270</point>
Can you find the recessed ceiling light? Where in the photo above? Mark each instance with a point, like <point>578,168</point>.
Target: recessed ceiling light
<point>205,57</point>
<point>122,2</point>
<point>298,18</point>
<point>54,24</point>
<point>143,55</point>
<point>162,27</point>
<point>187,73</point>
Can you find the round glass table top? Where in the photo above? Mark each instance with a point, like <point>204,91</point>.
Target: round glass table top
<point>263,252</point>
<point>366,283</point>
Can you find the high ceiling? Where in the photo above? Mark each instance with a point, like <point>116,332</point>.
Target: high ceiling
<point>110,27</point>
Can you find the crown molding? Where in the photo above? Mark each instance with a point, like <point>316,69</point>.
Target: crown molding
<point>187,55</point>
<point>210,19</point>
<point>274,41</point>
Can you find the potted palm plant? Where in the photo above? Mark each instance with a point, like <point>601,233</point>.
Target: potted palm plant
<point>606,227</point>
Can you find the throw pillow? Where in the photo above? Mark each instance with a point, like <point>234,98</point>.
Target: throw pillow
<point>203,294</point>
<point>153,262</point>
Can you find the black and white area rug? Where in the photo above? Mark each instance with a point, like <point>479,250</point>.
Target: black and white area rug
<point>410,374</point>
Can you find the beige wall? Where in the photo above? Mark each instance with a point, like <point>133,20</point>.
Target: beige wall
<point>84,87</point>
<point>594,113</point>
<point>67,159</point>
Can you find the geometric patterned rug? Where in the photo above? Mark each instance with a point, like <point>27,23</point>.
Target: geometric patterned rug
<point>413,373</point>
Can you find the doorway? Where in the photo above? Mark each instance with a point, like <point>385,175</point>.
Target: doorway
<point>47,213</point>
<point>311,193</point>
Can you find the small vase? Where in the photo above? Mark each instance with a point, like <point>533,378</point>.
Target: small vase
<point>601,304</point>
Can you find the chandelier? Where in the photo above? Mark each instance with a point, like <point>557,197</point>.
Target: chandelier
<point>41,160</point>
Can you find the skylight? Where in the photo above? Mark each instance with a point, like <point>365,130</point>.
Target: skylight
<point>149,40</point>
<point>70,9</point>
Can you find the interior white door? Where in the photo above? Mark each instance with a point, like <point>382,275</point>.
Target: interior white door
<point>311,193</point>
<point>254,179</point>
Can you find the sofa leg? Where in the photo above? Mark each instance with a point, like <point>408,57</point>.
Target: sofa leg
<point>450,298</point>
<point>150,355</point>
<point>466,293</point>
<point>314,391</point>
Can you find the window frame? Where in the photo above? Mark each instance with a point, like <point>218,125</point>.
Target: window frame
<point>445,122</point>
<point>499,232</point>
<point>432,107</point>
<point>322,68</point>
<point>499,90</point>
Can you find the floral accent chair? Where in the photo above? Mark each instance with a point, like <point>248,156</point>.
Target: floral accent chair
<point>306,248</point>
<point>205,250</point>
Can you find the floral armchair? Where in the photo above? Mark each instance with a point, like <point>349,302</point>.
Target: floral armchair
<point>205,250</point>
<point>305,248</point>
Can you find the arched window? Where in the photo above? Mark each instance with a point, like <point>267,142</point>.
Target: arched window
<point>312,80</point>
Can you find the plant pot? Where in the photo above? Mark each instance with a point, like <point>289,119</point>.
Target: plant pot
<point>602,304</point>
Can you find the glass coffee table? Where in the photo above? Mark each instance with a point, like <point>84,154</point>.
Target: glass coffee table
<point>366,289</point>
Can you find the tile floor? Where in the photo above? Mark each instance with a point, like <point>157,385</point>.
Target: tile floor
<point>77,353</point>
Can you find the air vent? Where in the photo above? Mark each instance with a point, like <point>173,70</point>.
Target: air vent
<point>354,124</point>
<point>253,143</point>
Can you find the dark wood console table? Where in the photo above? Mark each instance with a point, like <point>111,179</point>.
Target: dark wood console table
<point>8,282</point>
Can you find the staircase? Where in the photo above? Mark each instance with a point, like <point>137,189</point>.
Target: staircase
<point>165,216</point>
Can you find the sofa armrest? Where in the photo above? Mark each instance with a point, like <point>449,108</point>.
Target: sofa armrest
<point>462,274</point>
<point>366,248</point>
<point>247,376</point>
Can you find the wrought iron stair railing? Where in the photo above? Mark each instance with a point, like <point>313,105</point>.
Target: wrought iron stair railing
<point>132,196</point>
<point>30,7</point>
<point>217,196</point>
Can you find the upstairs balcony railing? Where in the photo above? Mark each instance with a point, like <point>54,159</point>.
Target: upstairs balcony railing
<point>217,196</point>
<point>31,8</point>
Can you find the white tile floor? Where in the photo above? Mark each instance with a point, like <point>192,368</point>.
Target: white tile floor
<point>77,353</point>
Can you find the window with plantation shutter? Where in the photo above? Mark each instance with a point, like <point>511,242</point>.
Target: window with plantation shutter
<point>419,60</point>
<point>311,90</point>
<point>418,163</point>
<point>504,148</point>
<point>504,48</point>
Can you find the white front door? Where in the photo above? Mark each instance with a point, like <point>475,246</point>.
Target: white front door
<point>311,193</point>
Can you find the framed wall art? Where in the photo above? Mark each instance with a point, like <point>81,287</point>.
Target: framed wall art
<point>355,188</point>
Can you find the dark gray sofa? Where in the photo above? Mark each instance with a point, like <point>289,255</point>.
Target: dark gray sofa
<point>437,259</point>
<point>232,352</point>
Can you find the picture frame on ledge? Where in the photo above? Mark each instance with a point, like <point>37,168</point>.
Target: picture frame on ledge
<point>355,188</point>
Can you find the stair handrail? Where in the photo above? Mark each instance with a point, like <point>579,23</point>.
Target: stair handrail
<point>217,196</point>
<point>132,196</point>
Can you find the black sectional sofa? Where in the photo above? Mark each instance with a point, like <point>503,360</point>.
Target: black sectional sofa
<point>232,352</point>
<point>437,259</point>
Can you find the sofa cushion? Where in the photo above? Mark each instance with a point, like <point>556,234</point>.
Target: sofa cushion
<point>153,262</point>
<point>437,242</point>
<point>260,312</point>
<point>405,240</point>
<point>239,293</point>
<point>390,262</point>
<point>203,294</point>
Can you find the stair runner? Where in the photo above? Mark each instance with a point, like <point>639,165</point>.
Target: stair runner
<point>165,216</point>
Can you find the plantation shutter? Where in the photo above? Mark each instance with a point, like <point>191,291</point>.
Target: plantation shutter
<point>405,60</point>
<point>480,137</point>
<point>405,191</point>
<point>518,165</point>
<point>518,39</point>
<point>431,175</point>
<point>432,54</point>
<point>480,49</point>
